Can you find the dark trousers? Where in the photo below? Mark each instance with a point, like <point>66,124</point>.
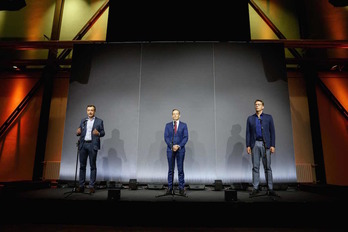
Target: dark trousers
<point>87,151</point>
<point>179,157</point>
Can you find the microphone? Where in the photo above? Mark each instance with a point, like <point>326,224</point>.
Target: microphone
<point>84,124</point>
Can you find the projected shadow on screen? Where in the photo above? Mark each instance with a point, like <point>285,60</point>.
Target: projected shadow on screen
<point>159,149</point>
<point>195,157</point>
<point>112,156</point>
<point>236,160</point>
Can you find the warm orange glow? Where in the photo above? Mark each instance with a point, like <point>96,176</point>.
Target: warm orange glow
<point>13,95</point>
<point>337,26</point>
<point>18,144</point>
<point>338,87</point>
<point>334,134</point>
<point>18,94</point>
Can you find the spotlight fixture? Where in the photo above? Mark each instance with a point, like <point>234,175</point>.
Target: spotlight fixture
<point>337,67</point>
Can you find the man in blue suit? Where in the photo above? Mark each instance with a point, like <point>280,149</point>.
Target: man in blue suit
<point>90,130</point>
<point>260,143</point>
<point>176,136</point>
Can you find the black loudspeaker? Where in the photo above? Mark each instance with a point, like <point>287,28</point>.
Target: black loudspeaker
<point>218,185</point>
<point>230,195</point>
<point>155,186</point>
<point>111,184</point>
<point>12,5</point>
<point>203,21</point>
<point>196,187</point>
<point>114,194</point>
<point>339,3</point>
<point>133,185</point>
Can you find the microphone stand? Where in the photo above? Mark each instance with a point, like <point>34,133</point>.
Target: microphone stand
<point>75,181</point>
<point>172,171</point>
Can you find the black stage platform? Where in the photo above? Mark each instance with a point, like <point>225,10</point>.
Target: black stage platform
<point>298,207</point>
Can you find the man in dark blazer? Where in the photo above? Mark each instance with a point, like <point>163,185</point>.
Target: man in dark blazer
<point>90,130</point>
<point>260,143</point>
<point>176,136</point>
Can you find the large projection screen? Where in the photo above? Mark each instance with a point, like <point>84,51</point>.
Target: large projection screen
<point>135,86</point>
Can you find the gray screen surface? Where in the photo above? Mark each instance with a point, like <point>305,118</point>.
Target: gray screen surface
<point>214,85</point>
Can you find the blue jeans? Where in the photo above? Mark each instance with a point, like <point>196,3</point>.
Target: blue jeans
<point>179,156</point>
<point>257,153</point>
<point>87,151</point>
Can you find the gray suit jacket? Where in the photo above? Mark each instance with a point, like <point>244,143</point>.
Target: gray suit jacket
<point>99,125</point>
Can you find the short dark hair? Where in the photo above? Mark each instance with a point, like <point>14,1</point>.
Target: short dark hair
<point>95,109</point>
<point>174,110</point>
<point>258,100</point>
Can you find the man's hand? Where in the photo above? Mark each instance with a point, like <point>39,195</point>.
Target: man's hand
<point>176,147</point>
<point>78,131</point>
<point>249,150</point>
<point>95,132</point>
<point>272,149</point>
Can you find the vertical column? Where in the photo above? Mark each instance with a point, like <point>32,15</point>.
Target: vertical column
<point>48,75</point>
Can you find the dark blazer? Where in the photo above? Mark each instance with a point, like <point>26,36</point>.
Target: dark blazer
<point>268,130</point>
<point>180,138</point>
<point>99,125</point>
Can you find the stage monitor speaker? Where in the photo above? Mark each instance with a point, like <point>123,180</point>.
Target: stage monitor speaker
<point>111,184</point>
<point>239,186</point>
<point>218,186</point>
<point>12,5</point>
<point>114,194</point>
<point>280,187</point>
<point>118,186</point>
<point>196,186</point>
<point>230,195</point>
<point>133,184</point>
<point>155,186</point>
<point>102,185</point>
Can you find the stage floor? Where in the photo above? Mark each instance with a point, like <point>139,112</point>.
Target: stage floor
<point>318,208</point>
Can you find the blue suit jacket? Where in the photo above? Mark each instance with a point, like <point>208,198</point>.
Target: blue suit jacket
<point>180,138</point>
<point>268,130</point>
<point>99,125</point>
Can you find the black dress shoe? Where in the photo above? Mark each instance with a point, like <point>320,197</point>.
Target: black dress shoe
<point>80,189</point>
<point>254,192</point>
<point>182,192</point>
<point>272,193</point>
<point>169,192</point>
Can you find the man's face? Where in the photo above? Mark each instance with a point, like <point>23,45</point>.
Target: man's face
<point>258,106</point>
<point>175,115</point>
<point>90,112</point>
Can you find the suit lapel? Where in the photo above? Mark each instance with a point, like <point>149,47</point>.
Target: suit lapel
<point>180,126</point>
<point>94,124</point>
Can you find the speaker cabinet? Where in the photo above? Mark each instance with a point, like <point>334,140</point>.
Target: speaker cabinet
<point>230,195</point>
<point>114,194</point>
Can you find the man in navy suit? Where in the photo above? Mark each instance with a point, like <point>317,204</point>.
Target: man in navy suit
<point>260,143</point>
<point>176,136</point>
<point>90,130</point>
